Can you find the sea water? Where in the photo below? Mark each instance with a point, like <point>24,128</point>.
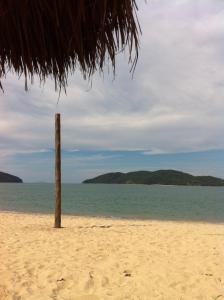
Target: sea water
<point>118,200</point>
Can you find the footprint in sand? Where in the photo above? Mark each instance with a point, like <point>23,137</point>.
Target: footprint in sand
<point>105,281</point>
<point>90,282</point>
<point>127,273</point>
<point>16,297</point>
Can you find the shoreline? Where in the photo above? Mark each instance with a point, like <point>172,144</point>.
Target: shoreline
<point>101,258</point>
<point>102,217</point>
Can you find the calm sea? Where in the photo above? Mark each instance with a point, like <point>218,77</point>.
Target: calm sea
<point>113,200</point>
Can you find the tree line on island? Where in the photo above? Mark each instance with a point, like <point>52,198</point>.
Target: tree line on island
<point>5,177</point>
<point>163,177</point>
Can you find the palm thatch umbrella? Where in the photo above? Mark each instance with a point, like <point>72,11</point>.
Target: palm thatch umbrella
<point>55,37</point>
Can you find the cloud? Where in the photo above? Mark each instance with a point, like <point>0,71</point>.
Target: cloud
<point>173,104</point>
<point>72,150</point>
<point>153,151</point>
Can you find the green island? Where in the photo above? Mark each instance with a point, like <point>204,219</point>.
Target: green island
<point>5,177</point>
<point>162,177</point>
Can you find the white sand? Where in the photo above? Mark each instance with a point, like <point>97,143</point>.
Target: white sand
<point>93,258</point>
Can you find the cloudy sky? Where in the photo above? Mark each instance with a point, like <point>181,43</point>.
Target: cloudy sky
<point>170,115</point>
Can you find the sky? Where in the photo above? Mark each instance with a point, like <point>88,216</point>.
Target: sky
<point>170,115</point>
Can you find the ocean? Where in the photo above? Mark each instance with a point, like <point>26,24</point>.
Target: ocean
<point>183,203</point>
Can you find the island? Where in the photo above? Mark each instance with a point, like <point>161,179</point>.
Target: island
<point>162,177</point>
<point>5,177</point>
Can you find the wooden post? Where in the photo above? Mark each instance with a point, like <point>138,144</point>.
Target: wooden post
<point>57,223</point>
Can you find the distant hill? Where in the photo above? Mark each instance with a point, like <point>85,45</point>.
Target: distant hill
<point>164,177</point>
<point>5,177</point>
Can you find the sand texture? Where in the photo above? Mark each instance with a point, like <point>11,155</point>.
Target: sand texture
<point>94,258</point>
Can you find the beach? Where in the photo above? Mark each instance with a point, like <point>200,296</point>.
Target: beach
<point>97,258</point>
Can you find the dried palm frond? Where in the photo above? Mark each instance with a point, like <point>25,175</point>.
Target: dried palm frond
<point>54,37</point>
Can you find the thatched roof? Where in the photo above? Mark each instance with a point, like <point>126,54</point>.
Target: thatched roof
<point>53,37</point>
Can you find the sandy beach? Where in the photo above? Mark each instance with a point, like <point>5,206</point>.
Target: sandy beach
<point>96,258</point>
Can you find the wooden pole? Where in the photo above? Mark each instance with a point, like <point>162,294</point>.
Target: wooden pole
<point>57,223</point>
